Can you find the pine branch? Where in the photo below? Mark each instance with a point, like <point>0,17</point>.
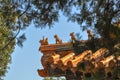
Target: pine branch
<point>19,28</point>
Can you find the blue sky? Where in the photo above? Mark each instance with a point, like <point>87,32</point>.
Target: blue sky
<point>26,60</point>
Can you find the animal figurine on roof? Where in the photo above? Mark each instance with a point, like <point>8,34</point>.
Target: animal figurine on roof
<point>90,35</point>
<point>73,37</point>
<point>44,41</point>
<point>58,40</point>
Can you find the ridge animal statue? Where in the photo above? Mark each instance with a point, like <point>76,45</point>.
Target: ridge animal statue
<point>44,41</point>
<point>73,37</point>
<point>58,40</point>
<point>90,35</point>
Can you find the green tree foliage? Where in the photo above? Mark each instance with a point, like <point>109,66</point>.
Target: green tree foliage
<point>9,29</point>
<point>94,14</point>
<point>6,36</point>
<point>5,54</point>
<point>87,13</point>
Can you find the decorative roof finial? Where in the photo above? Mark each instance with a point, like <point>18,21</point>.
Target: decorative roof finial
<point>58,40</point>
<point>73,38</point>
<point>90,35</point>
<point>44,41</point>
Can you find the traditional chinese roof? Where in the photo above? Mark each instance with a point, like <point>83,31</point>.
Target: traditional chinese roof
<point>58,58</point>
